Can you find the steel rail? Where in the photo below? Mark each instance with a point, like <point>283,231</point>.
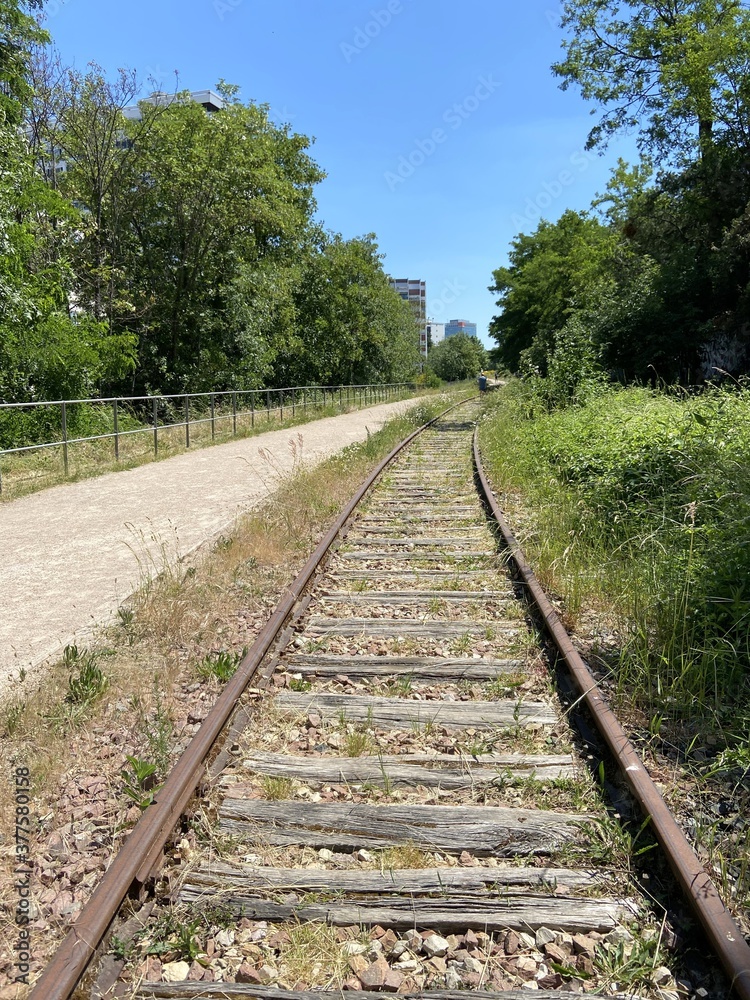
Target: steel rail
<point>134,862</point>
<point>723,933</point>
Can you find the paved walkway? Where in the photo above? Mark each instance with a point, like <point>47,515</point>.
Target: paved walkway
<point>73,553</point>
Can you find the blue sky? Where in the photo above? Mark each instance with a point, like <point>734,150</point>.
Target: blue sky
<point>440,125</point>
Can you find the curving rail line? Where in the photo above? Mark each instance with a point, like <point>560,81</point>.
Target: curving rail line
<point>388,641</point>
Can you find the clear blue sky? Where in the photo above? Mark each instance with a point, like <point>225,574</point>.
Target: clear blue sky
<point>439,125</point>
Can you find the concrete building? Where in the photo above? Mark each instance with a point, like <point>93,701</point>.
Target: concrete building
<point>210,101</point>
<point>414,291</point>
<point>460,326</point>
<point>435,332</point>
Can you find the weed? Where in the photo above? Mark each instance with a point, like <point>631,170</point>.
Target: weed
<point>125,616</point>
<point>88,683</point>
<point>174,939</point>
<point>358,743</point>
<point>404,856</point>
<point>300,684</point>
<point>138,781</point>
<point>461,644</point>
<point>276,788</point>
<point>13,718</point>
<point>399,686</point>
<point>220,666</point>
<point>629,965</point>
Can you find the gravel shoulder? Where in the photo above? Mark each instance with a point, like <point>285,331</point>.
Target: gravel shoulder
<point>72,554</point>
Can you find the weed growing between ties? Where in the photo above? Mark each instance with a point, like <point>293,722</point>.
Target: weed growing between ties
<point>120,710</point>
<point>634,507</point>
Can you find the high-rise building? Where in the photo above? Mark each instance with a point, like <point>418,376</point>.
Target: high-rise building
<point>414,291</point>
<point>460,326</point>
<point>211,102</point>
<point>435,332</point>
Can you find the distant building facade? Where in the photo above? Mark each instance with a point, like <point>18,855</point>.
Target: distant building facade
<point>207,98</point>
<point>414,291</point>
<point>456,326</point>
<point>435,332</point>
<point>210,101</point>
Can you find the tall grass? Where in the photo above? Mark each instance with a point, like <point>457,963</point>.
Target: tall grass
<point>638,503</point>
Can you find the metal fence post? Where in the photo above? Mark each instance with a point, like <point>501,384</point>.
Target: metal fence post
<point>117,438</point>
<point>156,427</point>
<point>268,405</point>
<point>65,437</point>
<point>213,417</point>
<point>281,405</point>
<point>187,421</point>
<point>252,408</point>
<point>341,398</point>
<point>234,414</point>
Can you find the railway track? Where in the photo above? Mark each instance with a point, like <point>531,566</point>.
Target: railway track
<point>400,805</point>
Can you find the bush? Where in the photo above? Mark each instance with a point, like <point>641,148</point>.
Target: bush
<point>646,497</point>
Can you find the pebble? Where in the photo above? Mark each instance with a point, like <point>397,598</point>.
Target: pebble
<point>175,972</point>
<point>225,939</point>
<point>355,948</point>
<point>453,979</point>
<point>325,855</point>
<point>620,935</point>
<point>435,946</point>
<point>544,936</point>
<point>267,974</point>
<point>473,965</point>
<point>661,976</point>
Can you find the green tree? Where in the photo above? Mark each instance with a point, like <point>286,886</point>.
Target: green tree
<point>679,71</point>
<point>19,32</point>
<point>551,274</point>
<point>457,358</point>
<point>44,352</point>
<point>351,326</point>
<point>218,209</point>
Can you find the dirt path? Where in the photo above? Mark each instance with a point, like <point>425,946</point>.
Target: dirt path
<point>73,553</point>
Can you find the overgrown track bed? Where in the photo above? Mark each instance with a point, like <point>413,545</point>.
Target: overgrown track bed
<point>401,804</point>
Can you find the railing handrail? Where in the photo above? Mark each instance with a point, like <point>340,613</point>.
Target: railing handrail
<point>198,395</point>
<point>280,397</point>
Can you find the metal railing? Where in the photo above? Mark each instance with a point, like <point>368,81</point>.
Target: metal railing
<point>153,414</point>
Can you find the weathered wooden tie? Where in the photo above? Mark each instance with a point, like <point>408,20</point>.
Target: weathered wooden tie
<point>451,771</point>
<point>483,830</point>
<point>406,713</point>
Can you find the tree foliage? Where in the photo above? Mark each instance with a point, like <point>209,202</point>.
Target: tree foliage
<point>657,285</point>
<point>676,70</point>
<point>170,250</point>
<point>457,358</point>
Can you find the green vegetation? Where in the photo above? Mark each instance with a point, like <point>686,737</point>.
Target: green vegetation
<point>653,282</point>
<point>456,358</point>
<point>641,501</point>
<point>178,252</point>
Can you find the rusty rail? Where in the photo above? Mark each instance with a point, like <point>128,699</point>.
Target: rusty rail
<point>723,933</point>
<point>136,859</point>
